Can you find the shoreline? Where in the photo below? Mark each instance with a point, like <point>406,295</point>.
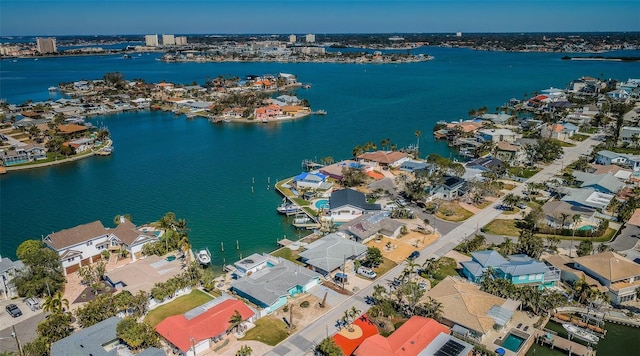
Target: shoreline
<point>56,162</point>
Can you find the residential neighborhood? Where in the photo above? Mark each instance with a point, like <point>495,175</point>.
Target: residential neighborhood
<point>408,252</point>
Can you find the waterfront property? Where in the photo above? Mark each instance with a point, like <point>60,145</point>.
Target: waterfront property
<point>347,204</point>
<point>469,311</point>
<point>519,269</point>
<point>383,159</point>
<point>252,264</point>
<point>619,275</point>
<point>331,252</point>
<point>27,153</point>
<point>197,330</point>
<point>85,243</point>
<point>98,339</point>
<point>8,270</point>
<point>270,287</point>
<point>143,274</point>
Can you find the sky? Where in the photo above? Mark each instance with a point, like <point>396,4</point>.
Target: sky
<point>98,17</point>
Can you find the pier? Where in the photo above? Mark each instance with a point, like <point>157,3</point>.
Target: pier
<point>553,341</point>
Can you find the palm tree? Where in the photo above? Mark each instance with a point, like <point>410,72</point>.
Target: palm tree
<point>563,217</point>
<point>56,303</point>
<point>508,247</point>
<point>245,350</point>
<point>235,321</point>
<point>576,218</point>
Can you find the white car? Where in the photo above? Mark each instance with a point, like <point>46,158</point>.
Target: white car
<point>367,272</point>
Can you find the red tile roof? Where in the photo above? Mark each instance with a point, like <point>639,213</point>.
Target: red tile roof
<point>410,339</point>
<point>215,321</point>
<point>368,329</point>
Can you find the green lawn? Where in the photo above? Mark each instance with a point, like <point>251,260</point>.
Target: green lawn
<point>180,305</point>
<point>268,330</point>
<point>505,227</point>
<point>450,211</point>
<point>524,173</point>
<point>446,267</point>
<point>287,254</point>
<point>590,130</point>
<point>383,268</point>
<point>579,137</point>
<point>301,202</point>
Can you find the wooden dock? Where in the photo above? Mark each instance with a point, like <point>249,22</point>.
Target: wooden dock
<point>553,341</point>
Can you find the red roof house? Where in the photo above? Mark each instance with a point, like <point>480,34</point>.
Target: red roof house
<point>410,339</point>
<point>187,333</point>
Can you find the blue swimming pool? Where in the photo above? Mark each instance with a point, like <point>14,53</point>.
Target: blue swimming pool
<point>322,204</point>
<point>512,342</point>
<point>587,227</point>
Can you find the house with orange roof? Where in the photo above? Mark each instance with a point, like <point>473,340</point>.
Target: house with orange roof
<point>196,331</point>
<point>392,159</point>
<point>293,110</point>
<point>560,131</point>
<point>410,339</point>
<point>266,113</point>
<point>72,129</point>
<point>164,86</point>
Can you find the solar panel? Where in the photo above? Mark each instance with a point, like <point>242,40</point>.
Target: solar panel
<point>451,348</point>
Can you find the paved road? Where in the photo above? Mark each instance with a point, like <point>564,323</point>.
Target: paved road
<point>305,340</point>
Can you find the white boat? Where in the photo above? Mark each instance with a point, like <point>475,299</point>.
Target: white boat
<point>204,257</point>
<point>288,209</point>
<point>581,333</point>
<point>53,88</point>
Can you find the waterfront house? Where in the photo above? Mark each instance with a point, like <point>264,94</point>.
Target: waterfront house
<point>368,226</point>
<point>84,244</point>
<point>270,288</point>
<point>620,275</point>
<point>311,180</point>
<point>288,99</point>
<point>196,331</point>
<point>8,271</point>
<point>252,264</point>
<point>389,159</point>
<point>619,95</point>
<point>335,170</point>
<point>497,135</point>
<point>498,119</point>
<point>28,153</point>
<point>518,269</point>
<point>294,110</point>
<point>233,113</point>
<point>266,113</point>
<point>98,339</point>
<point>80,145</point>
<point>468,311</point>
<point>331,252</point>
<point>72,130</point>
<point>417,336</point>
<point>347,204</point>
<point>554,209</point>
<point>413,165</point>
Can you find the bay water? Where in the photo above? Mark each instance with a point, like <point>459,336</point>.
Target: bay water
<point>205,172</point>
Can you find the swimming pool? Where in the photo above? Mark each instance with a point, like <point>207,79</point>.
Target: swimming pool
<point>322,204</point>
<point>587,227</point>
<point>512,342</point>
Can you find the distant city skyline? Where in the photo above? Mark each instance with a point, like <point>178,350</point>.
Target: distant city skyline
<point>89,17</point>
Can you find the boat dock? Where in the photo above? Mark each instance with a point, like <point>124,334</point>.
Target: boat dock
<point>553,341</point>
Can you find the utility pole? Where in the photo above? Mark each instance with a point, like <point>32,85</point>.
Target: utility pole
<point>13,327</point>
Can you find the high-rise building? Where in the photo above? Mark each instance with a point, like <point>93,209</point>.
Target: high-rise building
<point>458,34</point>
<point>310,38</point>
<point>151,40</point>
<point>168,40</point>
<point>292,38</point>
<point>181,41</point>
<point>46,45</point>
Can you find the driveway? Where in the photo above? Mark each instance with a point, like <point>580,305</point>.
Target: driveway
<point>333,298</point>
<point>25,326</point>
<point>627,239</point>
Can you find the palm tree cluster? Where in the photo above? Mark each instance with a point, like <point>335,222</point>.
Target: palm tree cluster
<point>531,296</point>
<point>478,242</point>
<point>349,316</point>
<point>175,237</point>
<point>105,306</point>
<point>168,289</point>
<point>586,294</point>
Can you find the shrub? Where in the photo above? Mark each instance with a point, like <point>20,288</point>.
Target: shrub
<point>304,304</point>
<point>285,308</point>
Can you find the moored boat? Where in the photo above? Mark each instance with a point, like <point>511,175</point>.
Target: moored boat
<point>581,333</point>
<point>204,257</point>
<point>288,209</point>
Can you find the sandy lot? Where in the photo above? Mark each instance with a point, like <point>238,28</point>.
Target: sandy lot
<point>402,247</point>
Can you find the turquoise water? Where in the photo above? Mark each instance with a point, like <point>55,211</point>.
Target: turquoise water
<point>204,172</point>
<point>587,227</point>
<point>322,204</point>
<point>512,342</point>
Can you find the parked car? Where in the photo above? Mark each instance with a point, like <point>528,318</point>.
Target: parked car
<point>414,255</point>
<point>522,206</point>
<point>367,272</point>
<point>32,303</point>
<point>13,310</point>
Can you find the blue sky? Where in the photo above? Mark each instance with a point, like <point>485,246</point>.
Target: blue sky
<point>96,17</point>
